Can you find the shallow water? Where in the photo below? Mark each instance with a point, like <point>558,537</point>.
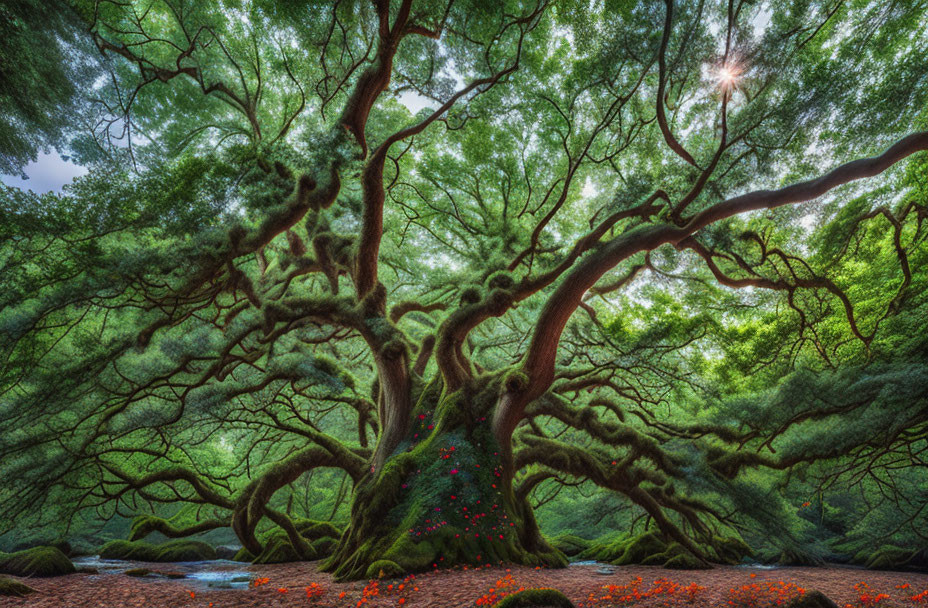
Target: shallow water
<point>215,574</point>
<point>227,579</point>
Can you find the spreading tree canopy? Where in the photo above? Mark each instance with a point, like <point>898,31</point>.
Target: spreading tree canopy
<point>457,251</point>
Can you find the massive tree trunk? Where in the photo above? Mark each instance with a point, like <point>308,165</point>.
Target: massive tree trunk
<point>444,495</point>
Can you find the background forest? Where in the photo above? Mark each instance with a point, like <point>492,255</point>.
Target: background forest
<point>658,267</point>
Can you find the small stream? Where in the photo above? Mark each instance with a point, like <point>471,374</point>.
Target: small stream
<point>606,568</point>
<point>202,575</point>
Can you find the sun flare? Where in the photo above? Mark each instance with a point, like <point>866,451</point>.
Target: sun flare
<point>727,76</point>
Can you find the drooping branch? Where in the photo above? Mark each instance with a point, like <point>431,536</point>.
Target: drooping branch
<point>539,360</point>
<point>814,282</point>
<point>585,463</point>
<point>171,475</point>
<point>144,525</point>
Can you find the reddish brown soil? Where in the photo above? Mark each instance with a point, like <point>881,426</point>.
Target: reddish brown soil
<point>442,589</point>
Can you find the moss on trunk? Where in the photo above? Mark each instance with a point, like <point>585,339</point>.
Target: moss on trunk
<point>321,536</point>
<point>443,497</point>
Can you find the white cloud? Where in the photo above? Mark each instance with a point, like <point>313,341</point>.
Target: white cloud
<point>49,173</point>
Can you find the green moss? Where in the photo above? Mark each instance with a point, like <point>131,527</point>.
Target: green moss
<point>500,280</point>
<point>516,380</point>
<point>446,469</point>
<point>890,557</point>
<point>38,561</point>
<point>415,556</point>
<point>313,530</point>
<point>172,551</point>
<point>471,295</point>
<point>659,559</point>
<point>535,598</point>
<point>812,599</point>
<point>640,548</point>
<point>729,549</point>
<point>685,561</point>
<point>322,536</point>
<point>606,548</point>
<point>326,365</point>
<point>278,550</point>
<point>569,544</point>
<point>143,525</point>
<point>795,557</point>
<point>13,587</point>
<point>384,568</point>
<point>325,546</point>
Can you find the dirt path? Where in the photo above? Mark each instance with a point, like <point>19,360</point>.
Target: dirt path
<point>286,586</point>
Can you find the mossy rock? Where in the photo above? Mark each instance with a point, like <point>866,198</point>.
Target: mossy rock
<point>812,599</point>
<point>12,587</point>
<point>570,544</point>
<point>384,568</point>
<point>38,561</point>
<point>61,544</point>
<point>535,598</point>
<point>640,548</point>
<point>173,575</point>
<point>172,551</point>
<point>890,557</point>
<point>685,561</point>
<point>137,572</point>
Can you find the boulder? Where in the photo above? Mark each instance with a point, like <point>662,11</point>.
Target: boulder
<point>812,599</point>
<point>38,561</point>
<point>171,551</point>
<point>12,587</point>
<point>535,598</point>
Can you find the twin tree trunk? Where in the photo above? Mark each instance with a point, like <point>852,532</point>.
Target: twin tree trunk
<point>443,496</point>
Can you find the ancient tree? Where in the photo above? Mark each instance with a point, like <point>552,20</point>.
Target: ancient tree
<point>396,239</point>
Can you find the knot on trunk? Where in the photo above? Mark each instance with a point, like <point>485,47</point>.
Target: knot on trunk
<point>394,349</point>
<point>515,381</point>
<point>501,280</point>
<point>499,301</point>
<point>304,186</point>
<point>471,295</point>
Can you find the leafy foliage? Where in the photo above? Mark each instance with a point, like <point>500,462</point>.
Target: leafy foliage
<point>622,256</point>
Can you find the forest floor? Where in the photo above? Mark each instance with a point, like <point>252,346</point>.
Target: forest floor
<point>302,585</point>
